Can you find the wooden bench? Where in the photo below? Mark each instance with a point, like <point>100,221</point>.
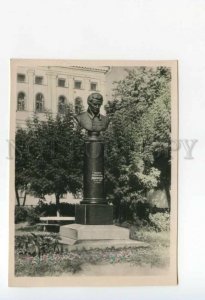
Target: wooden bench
<point>46,223</point>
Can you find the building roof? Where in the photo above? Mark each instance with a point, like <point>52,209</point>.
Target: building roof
<point>104,70</point>
<point>87,68</point>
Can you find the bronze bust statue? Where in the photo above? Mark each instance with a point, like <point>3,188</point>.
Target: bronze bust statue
<point>92,120</point>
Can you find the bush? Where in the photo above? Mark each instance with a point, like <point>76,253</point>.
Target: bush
<point>67,209</point>
<point>20,214</point>
<point>40,255</point>
<point>26,214</point>
<point>160,221</point>
<point>45,209</point>
<point>141,210</point>
<point>33,244</point>
<point>32,216</point>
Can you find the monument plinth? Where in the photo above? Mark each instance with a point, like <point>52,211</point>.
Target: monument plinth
<point>93,180</point>
<point>94,209</point>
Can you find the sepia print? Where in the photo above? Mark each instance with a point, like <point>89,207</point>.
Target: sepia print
<point>93,176</point>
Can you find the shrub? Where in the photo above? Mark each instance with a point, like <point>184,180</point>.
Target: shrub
<point>20,214</point>
<point>160,221</point>
<point>46,209</point>
<point>40,255</point>
<point>66,209</point>
<point>33,244</point>
<point>32,216</point>
<point>26,214</point>
<point>141,210</point>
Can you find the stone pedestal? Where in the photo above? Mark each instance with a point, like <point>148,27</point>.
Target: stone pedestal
<point>94,209</point>
<point>93,179</point>
<point>94,214</point>
<point>75,233</point>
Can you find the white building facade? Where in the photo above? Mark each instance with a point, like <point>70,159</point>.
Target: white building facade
<point>42,89</point>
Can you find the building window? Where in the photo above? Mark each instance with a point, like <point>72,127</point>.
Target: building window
<point>21,101</point>
<point>78,84</point>
<point>39,103</point>
<point>38,80</point>
<point>61,82</point>
<point>93,86</point>
<point>61,104</point>
<point>78,105</point>
<point>21,77</point>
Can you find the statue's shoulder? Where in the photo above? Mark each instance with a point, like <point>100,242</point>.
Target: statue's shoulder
<point>104,118</point>
<point>82,115</point>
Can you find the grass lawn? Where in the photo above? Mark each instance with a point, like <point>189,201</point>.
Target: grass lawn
<point>55,263</point>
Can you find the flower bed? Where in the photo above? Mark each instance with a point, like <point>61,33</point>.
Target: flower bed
<point>51,261</point>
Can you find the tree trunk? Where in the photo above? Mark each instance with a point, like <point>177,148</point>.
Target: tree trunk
<point>120,212</point>
<point>58,204</point>
<point>24,199</point>
<point>168,196</point>
<point>17,196</point>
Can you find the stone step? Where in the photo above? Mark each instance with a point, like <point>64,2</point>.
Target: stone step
<point>94,232</point>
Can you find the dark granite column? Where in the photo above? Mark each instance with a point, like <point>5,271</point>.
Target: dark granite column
<point>94,171</point>
<point>94,209</point>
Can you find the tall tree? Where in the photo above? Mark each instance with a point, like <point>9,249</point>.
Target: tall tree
<point>138,147</point>
<point>54,155</point>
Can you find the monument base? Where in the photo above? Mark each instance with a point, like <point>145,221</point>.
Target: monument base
<point>94,214</point>
<point>79,237</point>
<point>74,233</point>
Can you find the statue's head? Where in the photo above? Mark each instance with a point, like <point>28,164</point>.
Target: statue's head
<point>95,101</point>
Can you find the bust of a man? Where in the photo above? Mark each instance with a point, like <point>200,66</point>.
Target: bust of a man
<point>92,120</point>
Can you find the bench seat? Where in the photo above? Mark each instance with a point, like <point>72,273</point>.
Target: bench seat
<point>49,226</point>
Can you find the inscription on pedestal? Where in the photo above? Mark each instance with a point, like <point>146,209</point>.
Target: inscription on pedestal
<point>97,177</point>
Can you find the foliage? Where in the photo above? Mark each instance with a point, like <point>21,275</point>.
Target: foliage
<point>32,216</point>
<point>49,155</point>
<point>20,214</point>
<point>50,209</point>
<point>37,254</point>
<point>36,244</point>
<point>149,221</point>
<point>26,214</point>
<point>138,138</point>
<point>160,221</point>
<point>21,163</point>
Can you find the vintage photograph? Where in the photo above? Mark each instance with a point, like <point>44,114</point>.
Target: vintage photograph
<point>93,173</point>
